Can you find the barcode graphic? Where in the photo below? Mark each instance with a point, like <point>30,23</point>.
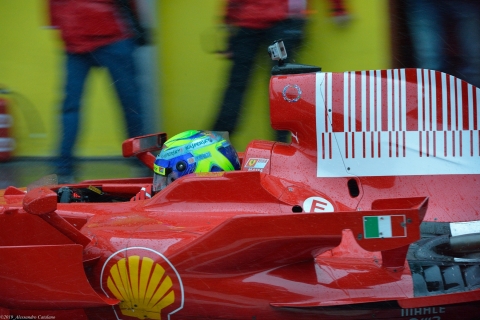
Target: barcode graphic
<point>402,113</point>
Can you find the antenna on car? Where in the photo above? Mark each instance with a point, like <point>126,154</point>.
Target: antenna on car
<point>278,52</point>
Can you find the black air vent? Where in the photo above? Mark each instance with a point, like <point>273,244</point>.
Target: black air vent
<point>353,188</point>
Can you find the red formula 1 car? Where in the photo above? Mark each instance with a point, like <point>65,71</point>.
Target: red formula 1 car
<point>372,211</point>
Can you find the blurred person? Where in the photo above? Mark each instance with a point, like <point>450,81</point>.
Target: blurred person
<point>431,22</point>
<point>96,33</point>
<point>254,25</point>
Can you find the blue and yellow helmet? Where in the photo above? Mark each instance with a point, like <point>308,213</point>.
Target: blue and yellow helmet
<point>193,151</point>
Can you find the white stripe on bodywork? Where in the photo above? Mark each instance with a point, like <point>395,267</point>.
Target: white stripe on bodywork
<point>431,149</point>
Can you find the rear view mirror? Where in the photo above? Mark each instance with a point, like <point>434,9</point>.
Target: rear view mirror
<point>40,201</point>
<point>148,143</point>
<point>143,146</point>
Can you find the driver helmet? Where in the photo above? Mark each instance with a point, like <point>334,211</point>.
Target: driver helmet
<point>193,151</point>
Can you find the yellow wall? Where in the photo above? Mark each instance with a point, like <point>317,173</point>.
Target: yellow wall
<point>192,79</point>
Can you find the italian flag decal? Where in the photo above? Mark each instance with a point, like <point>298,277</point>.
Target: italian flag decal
<point>384,226</point>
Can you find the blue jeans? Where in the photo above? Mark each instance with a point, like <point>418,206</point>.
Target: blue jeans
<point>430,22</point>
<point>118,59</point>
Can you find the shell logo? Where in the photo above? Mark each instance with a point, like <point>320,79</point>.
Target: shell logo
<point>144,287</point>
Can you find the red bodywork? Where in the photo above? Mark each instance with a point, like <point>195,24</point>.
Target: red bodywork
<point>354,219</point>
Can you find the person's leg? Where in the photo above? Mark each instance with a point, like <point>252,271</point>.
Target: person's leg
<point>466,15</point>
<point>76,71</point>
<point>244,46</point>
<point>119,60</point>
<point>424,19</point>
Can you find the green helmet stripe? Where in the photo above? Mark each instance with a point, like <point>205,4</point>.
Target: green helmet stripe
<point>179,139</point>
<point>217,159</point>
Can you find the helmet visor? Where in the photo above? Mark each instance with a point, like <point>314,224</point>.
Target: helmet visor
<point>159,182</point>
<point>163,174</point>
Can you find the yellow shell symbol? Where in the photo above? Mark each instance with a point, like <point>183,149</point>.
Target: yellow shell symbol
<point>142,286</point>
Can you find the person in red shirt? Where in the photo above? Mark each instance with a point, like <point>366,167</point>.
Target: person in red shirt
<point>255,24</point>
<point>96,33</point>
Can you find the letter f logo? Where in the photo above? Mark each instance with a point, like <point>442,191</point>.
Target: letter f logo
<point>317,205</point>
